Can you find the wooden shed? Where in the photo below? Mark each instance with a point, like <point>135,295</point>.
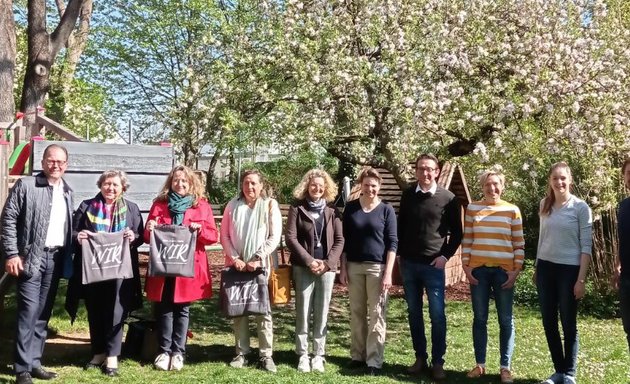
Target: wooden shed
<point>451,178</point>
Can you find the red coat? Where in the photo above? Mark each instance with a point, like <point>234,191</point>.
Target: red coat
<point>187,289</point>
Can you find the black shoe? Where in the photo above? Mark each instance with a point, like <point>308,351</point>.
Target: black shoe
<point>23,378</point>
<point>373,371</point>
<point>111,372</point>
<point>356,364</point>
<point>42,374</point>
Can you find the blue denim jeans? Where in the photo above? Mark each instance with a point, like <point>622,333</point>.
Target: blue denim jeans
<point>555,284</point>
<point>35,302</point>
<point>417,278</point>
<point>490,281</point>
<point>624,305</point>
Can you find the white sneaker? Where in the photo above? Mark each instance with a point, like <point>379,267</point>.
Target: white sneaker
<point>317,364</point>
<point>162,362</point>
<point>239,361</point>
<point>304,365</point>
<point>556,378</point>
<point>177,362</point>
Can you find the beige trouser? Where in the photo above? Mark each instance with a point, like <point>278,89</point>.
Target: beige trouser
<point>367,313</point>
<point>264,325</point>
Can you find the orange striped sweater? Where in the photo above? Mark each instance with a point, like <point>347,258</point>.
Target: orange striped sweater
<point>493,236</point>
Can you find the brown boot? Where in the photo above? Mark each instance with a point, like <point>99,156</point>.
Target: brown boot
<point>417,367</point>
<point>437,371</point>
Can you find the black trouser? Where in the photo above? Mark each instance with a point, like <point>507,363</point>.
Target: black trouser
<point>624,305</point>
<point>555,284</point>
<point>105,316</point>
<point>35,300</point>
<point>172,319</point>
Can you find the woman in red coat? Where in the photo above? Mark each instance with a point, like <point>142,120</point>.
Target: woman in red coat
<point>180,202</point>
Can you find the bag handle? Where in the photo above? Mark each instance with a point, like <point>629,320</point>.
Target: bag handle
<point>283,259</point>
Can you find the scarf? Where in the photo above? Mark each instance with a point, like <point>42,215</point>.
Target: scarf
<point>177,205</point>
<point>251,226</point>
<point>103,220</point>
<point>316,206</point>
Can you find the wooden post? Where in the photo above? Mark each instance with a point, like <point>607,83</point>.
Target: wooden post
<point>4,191</point>
<point>4,171</point>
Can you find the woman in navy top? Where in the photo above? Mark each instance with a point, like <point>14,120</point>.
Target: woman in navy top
<point>369,228</point>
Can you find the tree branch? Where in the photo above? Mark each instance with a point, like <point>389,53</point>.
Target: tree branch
<point>60,35</point>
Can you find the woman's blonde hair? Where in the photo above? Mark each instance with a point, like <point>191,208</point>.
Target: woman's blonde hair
<point>196,189</point>
<point>491,172</point>
<point>330,188</point>
<point>550,198</point>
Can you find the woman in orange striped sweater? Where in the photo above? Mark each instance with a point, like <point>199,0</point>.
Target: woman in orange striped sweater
<point>492,258</point>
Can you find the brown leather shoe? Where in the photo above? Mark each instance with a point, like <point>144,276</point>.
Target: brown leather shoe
<point>437,371</point>
<point>417,367</point>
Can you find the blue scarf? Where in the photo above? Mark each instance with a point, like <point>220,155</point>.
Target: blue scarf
<point>177,205</point>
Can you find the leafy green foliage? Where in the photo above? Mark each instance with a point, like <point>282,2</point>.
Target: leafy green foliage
<point>281,175</point>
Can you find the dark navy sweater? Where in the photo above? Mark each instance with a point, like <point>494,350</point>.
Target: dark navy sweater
<point>369,235</point>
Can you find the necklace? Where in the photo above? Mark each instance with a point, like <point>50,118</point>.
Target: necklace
<point>318,236</point>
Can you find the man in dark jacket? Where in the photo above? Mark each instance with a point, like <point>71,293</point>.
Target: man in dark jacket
<point>36,240</point>
<point>429,233</point>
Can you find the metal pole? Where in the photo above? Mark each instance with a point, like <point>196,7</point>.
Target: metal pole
<point>130,133</point>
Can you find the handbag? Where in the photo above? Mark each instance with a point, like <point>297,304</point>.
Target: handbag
<point>243,293</point>
<point>141,339</point>
<point>172,251</point>
<point>105,256</point>
<point>279,279</point>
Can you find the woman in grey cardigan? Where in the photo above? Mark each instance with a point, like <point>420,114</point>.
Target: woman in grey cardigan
<point>314,236</point>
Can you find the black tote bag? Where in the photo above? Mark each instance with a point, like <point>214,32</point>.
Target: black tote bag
<point>106,256</point>
<point>172,251</point>
<point>244,293</point>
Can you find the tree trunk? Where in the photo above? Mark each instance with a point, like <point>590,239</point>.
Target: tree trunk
<point>211,167</point>
<point>42,50</point>
<point>75,46</point>
<point>233,173</point>
<point>7,64</point>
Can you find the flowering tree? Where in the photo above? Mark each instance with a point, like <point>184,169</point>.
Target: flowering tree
<point>521,84</point>
<point>175,70</point>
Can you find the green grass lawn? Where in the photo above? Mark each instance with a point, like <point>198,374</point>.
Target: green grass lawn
<point>603,354</point>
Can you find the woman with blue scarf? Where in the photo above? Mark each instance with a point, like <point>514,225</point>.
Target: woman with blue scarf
<point>180,202</point>
<point>108,303</point>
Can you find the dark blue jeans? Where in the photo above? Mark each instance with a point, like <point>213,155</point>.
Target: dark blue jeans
<point>490,281</point>
<point>172,319</point>
<point>417,278</point>
<point>555,284</point>
<point>35,300</point>
<point>624,305</point>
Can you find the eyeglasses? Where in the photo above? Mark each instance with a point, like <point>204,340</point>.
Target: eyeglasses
<point>426,169</point>
<point>56,162</point>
